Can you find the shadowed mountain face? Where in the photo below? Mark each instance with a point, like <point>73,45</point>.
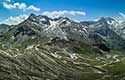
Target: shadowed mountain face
<point>41,48</point>
<point>106,31</point>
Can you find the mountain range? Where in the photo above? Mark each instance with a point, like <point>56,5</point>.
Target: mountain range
<point>41,48</point>
<point>104,31</point>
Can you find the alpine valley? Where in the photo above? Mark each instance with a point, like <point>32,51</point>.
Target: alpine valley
<point>42,48</point>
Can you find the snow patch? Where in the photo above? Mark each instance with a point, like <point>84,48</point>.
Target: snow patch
<point>30,47</point>
<point>43,19</point>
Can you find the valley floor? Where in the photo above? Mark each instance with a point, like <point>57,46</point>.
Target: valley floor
<point>40,64</point>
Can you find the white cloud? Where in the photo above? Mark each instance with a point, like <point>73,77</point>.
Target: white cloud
<point>122,15</point>
<point>55,14</point>
<point>14,20</point>
<point>15,5</point>
<point>8,6</point>
<point>32,7</point>
<point>21,6</point>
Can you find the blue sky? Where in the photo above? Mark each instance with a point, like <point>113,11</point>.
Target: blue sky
<point>92,9</point>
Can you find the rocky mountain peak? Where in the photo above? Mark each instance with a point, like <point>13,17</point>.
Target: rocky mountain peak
<point>32,16</point>
<point>107,20</point>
